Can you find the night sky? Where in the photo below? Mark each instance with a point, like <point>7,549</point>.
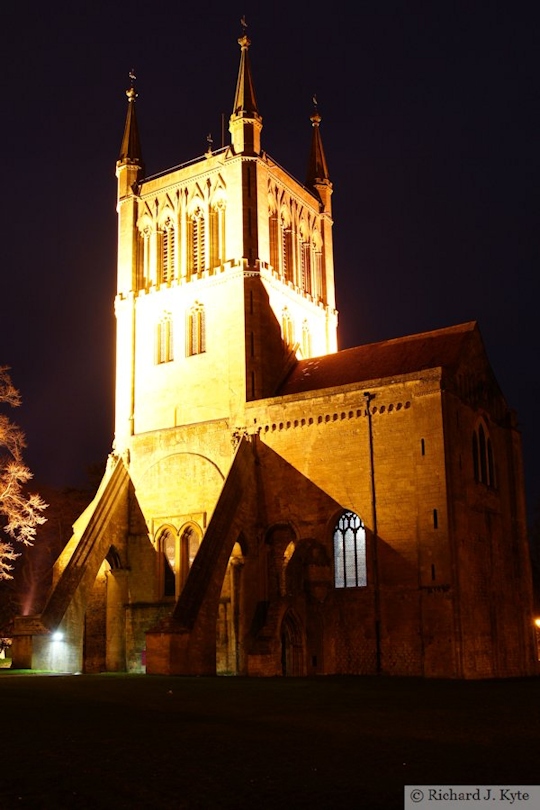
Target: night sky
<point>430,127</point>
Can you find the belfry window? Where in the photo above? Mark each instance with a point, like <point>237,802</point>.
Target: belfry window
<point>286,251</point>
<point>217,234</point>
<point>164,340</point>
<point>350,569</point>
<point>196,330</point>
<point>306,267</point>
<point>318,291</point>
<point>482,455</point>
<point>197,242</point>
<point>274,240</point>
<point>168,249</point>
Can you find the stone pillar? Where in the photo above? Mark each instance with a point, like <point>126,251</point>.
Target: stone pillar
<point>117,597</point>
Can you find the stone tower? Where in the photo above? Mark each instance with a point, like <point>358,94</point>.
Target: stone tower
<point>273,506</point>
<point>225,275</point>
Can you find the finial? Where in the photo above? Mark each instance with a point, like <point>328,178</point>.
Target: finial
<point>244,40</point>
<point>315,118</point>
<point>209,141</point>
<point>131,93</point>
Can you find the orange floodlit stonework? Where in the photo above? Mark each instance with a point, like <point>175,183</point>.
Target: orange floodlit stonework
<point>274,506</point>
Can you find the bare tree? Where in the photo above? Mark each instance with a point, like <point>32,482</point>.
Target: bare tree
<point>21,512</point>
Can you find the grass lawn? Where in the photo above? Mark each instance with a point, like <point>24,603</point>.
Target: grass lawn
<point>128,741</point>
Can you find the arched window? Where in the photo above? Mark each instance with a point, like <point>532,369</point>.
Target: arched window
<point>482,453</point>
<point>145,271</point>
<point>305,258</point>
<point>168,250</point>
<point>287,270</point>
<point>217,234</point>
<point>306,340</point>
<point>287,328</point>
<point>350,569</point>
<point>167,542</point>
<point>177,552</point>
<point>196,330</point>
<point>197,241</point>
<point>164,339</point>
<point>189,545</point>
<point>274,240</point>
<point>476,463</point>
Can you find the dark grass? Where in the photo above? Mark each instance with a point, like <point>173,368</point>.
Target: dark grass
<point>117,741</point>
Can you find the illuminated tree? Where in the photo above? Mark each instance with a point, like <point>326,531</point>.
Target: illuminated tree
<point>20,512</point>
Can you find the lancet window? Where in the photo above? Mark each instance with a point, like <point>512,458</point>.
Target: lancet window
<point>350,569</point>
<point>287,269</point>
<point>196,330</point>
<point>305,258</point>
<point>177,551</point>
<point>217,234</point>
<point>168,250</point>
<point>482,453</point>
<point>306,340</point>
<point>197,241</point>
<point>164,339</point>
<point>274,240</point>
<point>287,327</point>
<point>144,272</point>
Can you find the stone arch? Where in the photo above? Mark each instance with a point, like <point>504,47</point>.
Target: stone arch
<point>280,542</point>
<point>162,487</point>
<point>229,642</point>
<point>292,640</point>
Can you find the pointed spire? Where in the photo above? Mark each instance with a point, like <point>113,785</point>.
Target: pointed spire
<point>130,150</point>
<point>245,123</point>
<point>317,172</point>
<point>245,103</point>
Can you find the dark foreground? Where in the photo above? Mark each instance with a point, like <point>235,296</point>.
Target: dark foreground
<point>110,741</point>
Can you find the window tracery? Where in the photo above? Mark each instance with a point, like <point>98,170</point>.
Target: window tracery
<point>350,569</point>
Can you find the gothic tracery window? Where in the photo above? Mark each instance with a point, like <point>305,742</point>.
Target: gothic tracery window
<point>350,570</point>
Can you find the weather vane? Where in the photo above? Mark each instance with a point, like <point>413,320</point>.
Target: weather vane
<point>132,76</point>
<point>209,141</point>
<point>314,100</point>
<point>243,23</point>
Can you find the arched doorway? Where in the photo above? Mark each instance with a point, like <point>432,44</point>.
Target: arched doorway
<point>292,646</point>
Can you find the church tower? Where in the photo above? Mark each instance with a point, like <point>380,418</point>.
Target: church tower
<point>273,506</point>
<point>225,275</point>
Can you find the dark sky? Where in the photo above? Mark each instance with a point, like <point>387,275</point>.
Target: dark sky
<point>430,128</point>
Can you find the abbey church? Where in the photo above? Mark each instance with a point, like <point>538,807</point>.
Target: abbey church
<point>271,505</point>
